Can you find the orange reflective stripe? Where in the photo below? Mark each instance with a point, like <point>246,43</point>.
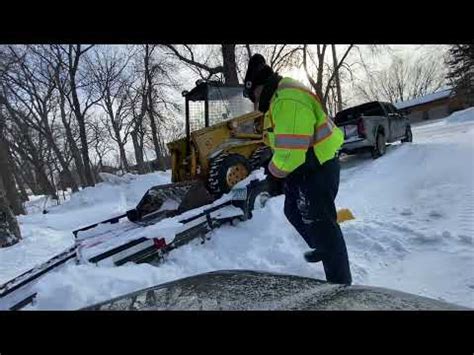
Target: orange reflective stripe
<point>324,131</point>
<point>277,172</point>
<point>321,133</point>
<point>292,141</point>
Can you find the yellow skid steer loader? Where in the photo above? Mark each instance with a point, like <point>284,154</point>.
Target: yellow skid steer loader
<point>222,145</point>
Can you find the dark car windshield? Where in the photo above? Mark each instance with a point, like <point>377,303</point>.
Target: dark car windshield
<point>368,109</point>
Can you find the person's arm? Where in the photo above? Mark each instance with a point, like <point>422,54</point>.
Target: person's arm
<point>293,132</point>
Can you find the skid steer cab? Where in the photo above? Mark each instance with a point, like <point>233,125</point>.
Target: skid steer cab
<point>222,145</point>
<point>223,142</point>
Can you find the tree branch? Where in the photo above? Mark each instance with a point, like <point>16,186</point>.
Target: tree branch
<point>331,78</point>
<point>211,71</point>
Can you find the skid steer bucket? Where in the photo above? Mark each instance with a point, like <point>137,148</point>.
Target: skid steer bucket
<point>170,200</point>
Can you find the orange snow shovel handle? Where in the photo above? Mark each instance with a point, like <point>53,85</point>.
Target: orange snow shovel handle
<point>344,214</point>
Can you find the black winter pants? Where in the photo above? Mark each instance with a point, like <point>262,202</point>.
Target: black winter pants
<point>310,192</point>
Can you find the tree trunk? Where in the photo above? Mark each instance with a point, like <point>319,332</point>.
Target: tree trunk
<point>121,146</point>
<point>25,171</point>
<point>29,152</point>
<point>123,156</point>
<point>18,178</point>
<point>84,147</point>
<point>319,80</point>
<point>336,78</point>
<point>156,143</point>
<point>230,66</point>
<point>138,150</point>
<point>64,166</point>
<point>80,118</point>
<point>9,229</point>
<point>6,174</point>
<point>118,137</point>
<point>46,187</point>
<point>20,182</point>
<point>76,154</point>
<point>41,178</point>
<point>151,109</point>
<point>51,168</point>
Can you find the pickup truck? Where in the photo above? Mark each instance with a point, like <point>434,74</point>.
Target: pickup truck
<point>370,126</point>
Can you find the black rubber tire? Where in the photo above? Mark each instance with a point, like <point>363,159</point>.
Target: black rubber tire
<point>408,135</point>
<point>260,157</point>
<point>380,146</point>
<point>217,180</point>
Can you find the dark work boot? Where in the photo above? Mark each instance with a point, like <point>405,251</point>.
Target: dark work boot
<point>313,256</point>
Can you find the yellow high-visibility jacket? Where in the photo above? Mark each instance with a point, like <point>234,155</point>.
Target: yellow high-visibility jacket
<point>294,122</point>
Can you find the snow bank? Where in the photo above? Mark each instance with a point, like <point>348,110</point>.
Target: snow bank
<point>45,235</point>
<point>466,115</point>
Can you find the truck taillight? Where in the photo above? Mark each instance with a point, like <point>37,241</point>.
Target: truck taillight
<point>360,128</point>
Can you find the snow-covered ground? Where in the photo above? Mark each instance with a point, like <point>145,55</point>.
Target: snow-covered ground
<point>413,231</point>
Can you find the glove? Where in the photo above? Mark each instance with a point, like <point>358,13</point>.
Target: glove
<point>275,185</point>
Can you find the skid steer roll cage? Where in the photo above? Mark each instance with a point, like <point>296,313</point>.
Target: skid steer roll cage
<point>207,91</point>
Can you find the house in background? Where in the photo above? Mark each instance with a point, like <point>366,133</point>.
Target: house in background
<point>430,107</point>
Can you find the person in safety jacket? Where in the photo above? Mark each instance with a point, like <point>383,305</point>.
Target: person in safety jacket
<point>304,143</point>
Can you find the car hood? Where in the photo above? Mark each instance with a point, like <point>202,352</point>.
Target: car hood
<point>253,290</point>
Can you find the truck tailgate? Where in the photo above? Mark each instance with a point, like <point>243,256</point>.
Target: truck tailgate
<point>350,131</point>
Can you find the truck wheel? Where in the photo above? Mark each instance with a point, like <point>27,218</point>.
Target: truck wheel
<point>225,171</point>
<point>380,146</point>
<point>260,157</point>
<point>408,136</point>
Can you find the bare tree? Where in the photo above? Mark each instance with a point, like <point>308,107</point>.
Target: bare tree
<point>108,69</point>
<point>137,101</point>
<point>232,60</point>
<point>279,57</point>
<point>6,172</point>
<point>404,79</point>
<point>319,68</point>
<point>33,85</point>
<point>24,172</point>
<point>31,147</point>
<point>100,146</point>
<point>229,64</point>
<point>77,83</point>
<point>9,229</point>
<point>8,178</point>
<point>150,70</point>
<point>19,180</point>
<point>204,66</point>
<point>151,99</point>
<point>57,59</point>
<point>26,158</point>
<point>336,78</point>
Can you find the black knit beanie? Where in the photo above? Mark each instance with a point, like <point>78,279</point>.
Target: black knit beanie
<point>258,72</point>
